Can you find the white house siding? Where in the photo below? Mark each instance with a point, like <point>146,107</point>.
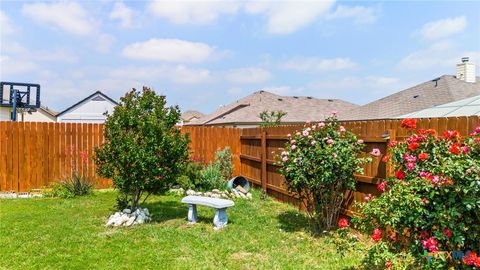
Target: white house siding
<point>88,111</point>
<point>38,116</point>
<point>4,113</point>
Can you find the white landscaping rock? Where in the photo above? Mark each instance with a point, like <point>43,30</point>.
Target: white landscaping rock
<point>126,218</point>
<point>190,192</point>
<point>249,196</point>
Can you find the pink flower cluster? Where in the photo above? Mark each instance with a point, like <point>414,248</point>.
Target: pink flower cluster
<point>430,244</point>
<point>375,152</point>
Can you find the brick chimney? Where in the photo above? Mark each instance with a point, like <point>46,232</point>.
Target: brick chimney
<point>466,70</point>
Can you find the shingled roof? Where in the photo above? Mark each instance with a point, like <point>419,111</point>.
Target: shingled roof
<point>190,114</point>
<point>299,109</point>
<point>444,89</point>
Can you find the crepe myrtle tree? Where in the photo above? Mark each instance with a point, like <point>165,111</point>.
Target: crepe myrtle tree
<point>143,151</point>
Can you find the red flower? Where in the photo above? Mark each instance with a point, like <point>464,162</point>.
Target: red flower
<point>430,244</point>
<point>388,264</point>
<point>382,186</point>
<point>392,143</point>
<point>455,149</point>
<point>471,258</point>
<point>447,181</point>
<point>409,123</point>
<point>423,156</point>
<point>447,233</point>
<point>377,235</point>
<point>342,223</point>
<point>399,175</point>
<point>431,131</point>
<point>450,134</point>
<point>413,146</point>
<point>386,158</point>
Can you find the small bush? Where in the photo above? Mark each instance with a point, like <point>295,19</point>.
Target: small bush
<point>75,186</point>
<point>224,159</point>
<point>430,206</point>
<point>318,164</point>
<point>78,185</point>
<point>212,178</point>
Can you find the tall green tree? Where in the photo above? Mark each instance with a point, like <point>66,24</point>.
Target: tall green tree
<point>143,151</point>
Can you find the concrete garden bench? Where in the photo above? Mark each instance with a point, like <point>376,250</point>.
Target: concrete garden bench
<point>220,220</point>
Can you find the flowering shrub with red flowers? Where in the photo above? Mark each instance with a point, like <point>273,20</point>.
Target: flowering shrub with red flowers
<point>432,203</point>
<point>318,163</point>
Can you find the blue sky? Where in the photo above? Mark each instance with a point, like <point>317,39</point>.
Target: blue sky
<point>205,54</point>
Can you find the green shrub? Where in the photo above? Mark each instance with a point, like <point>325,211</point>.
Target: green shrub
<point>212,178</point>
<point>224,161</point>
<point>143,151</point>
<point>191,176</point>
<point>78,185</point>
<point>55,190</point>
<point>75,186</point>
<point>430,207</point>
<point>318,164</point>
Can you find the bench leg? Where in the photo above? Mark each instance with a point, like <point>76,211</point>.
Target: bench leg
<point>220,220</point>
<point>192,213</point>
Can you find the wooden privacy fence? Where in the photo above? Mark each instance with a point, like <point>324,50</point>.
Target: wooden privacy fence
<point>260,146</point>
<point>205,141</point>
<point>34,154</point>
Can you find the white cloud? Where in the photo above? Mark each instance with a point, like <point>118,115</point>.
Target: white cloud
<point>178,74</point>
<point>58,55</point>
<point>437,57</point>
<point>318,64</point>
<point>288,16</point>
<point>443,28</point>
<point>67,16</point>
<point>10,66</point>
<point>360,14</point>
<point>6,26</point>
<point>169,50</point>
<point>122,13</point>
<point>248,75</point>
<point>104,43</point>
<point>192,12</point>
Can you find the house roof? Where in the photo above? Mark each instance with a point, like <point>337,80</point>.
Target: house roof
<point>298,108</point>
<point>444,89</point>
<point>85,99</point>
<point>463,107</point>
<point>49,111</point>
<point>188,115</point>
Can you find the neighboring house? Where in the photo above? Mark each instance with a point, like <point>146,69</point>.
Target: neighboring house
<point>189,116</point>
<point>464,107</point>
<point>42,114</point>
<point>92,109</point>
<point>445,89</point>
<point>245,112</point>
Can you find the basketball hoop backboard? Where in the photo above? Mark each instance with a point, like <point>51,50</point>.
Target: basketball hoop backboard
<point>19,95</point>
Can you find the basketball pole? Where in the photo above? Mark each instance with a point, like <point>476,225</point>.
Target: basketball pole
<point>14,111</point>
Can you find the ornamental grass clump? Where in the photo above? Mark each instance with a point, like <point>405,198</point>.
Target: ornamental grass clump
<point>430,208</point>
<point>318,164</point>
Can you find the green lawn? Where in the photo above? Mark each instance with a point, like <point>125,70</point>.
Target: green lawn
<point>50,233</point>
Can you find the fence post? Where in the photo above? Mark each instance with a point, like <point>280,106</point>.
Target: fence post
<point>264,161</point>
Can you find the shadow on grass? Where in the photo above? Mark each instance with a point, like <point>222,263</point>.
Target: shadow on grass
<point>163,211</point>
<point>293,221</point>
<point>167,210</point>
